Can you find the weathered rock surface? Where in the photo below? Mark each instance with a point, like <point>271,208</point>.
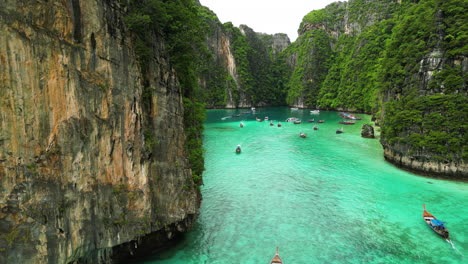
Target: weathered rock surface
<point>367,131</point>
<point>425,164</point>
<point>84,165</point>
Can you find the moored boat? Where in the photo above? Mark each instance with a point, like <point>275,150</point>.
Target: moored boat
<point>315,127</point>
<point>339,131</point>
<point>297,122</point>
<point>291,119</point>
<point>271,123</point>
<point>311,120</point>
<point>276,259</point>
<point>302,135</point>
<point>238,149</point>
<point>279,124</point>
<point>241,124</point>
<point>435,224</point>
<point>315,112</point>
<point>321,121</point>
<point>349,116</point>
<point>347,122</point>
<point>294,108</point>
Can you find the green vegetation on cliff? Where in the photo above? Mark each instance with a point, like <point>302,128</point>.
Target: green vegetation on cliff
<point>424,84</point>
<point>402,61</point>
<point>179,24</point>
<point>242,68</point>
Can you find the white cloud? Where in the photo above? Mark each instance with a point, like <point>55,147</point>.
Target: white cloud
<point>267,16</point>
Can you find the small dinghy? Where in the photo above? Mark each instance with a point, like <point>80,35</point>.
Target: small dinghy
<point>315,127</point>
<point>339,131</point>
<point>276,259</point>
<point>238,149</point>
<point>435,224</point>
<point>302,135</point>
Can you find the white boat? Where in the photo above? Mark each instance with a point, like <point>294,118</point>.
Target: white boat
<point>294,108</point>
<point>315,112</point>
<point>292,119</point>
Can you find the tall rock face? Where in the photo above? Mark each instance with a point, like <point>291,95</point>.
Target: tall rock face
<point>404,61</point>
<point>239,64</point>
<point>327,36</point>
<point>425,95</point>
<point>87,172</point>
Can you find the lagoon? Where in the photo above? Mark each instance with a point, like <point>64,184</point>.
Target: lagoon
<point>327,198</point>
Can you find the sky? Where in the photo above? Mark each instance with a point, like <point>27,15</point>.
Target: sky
<point>266,16</point>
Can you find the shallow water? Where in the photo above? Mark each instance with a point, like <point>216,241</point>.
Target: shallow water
<point>327,198</point>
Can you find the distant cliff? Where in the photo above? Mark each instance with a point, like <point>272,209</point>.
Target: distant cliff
<point>404,61</point>
<point>240,66</point>
<point>93,163</point>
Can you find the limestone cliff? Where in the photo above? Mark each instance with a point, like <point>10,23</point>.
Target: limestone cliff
<point>239,64</point>
<point>404,61</point>
<point>87,173</point>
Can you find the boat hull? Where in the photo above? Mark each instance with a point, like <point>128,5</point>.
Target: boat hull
<point>441,231</point>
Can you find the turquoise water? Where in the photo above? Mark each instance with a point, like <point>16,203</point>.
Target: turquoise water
<point>326,198</point>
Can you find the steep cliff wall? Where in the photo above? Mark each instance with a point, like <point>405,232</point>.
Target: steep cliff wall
<point>84,166</point>
<point>239,65</point>
<point>425,95</point>
<point>327,37</point>
<point>405,61</point>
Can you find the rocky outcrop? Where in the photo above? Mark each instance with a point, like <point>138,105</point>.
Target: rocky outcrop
<point>279,43</point>
<point>367,131</point>
<point>425,164</point>
<point>85,167</point>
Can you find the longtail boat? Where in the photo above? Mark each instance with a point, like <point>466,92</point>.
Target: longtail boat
<point>276,259</point>
<point>435,224</point>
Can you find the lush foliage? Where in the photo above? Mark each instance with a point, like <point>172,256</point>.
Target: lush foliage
<point>429,124</point>
<point>402,61</point>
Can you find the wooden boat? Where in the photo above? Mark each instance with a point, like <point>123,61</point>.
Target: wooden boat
<point>258,119</point>
<point>347,122</point>
<point>339,131</point>
<point>311,120</point>
<point>321,121</point>
<point>302,135</point>
<point>279,125</point>
<point>349,116</point>
<point>271,123</point>
<point>276,259</point>
<point>435,224</point>
<point>315,127</point>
